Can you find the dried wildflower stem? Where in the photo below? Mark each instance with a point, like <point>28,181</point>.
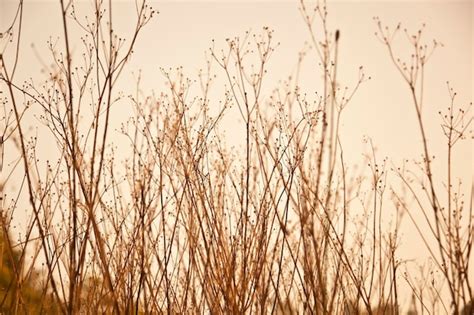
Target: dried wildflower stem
<point>446,229</point>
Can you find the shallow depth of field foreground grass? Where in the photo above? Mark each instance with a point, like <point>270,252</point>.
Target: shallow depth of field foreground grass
<point>222,191</point>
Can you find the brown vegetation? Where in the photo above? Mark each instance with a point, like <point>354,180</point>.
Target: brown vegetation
<point>187,225</point>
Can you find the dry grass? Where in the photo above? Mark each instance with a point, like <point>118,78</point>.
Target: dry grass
<point>187,225</point>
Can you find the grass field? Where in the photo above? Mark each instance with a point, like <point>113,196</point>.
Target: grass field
<point>224,192</point>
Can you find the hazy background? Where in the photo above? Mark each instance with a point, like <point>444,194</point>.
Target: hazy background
<point>182,32</point>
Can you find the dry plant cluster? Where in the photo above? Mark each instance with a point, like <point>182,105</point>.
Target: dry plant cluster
<point>185,224</point>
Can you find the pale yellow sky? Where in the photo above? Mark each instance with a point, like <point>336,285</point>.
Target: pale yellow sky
<point>183,31</point>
